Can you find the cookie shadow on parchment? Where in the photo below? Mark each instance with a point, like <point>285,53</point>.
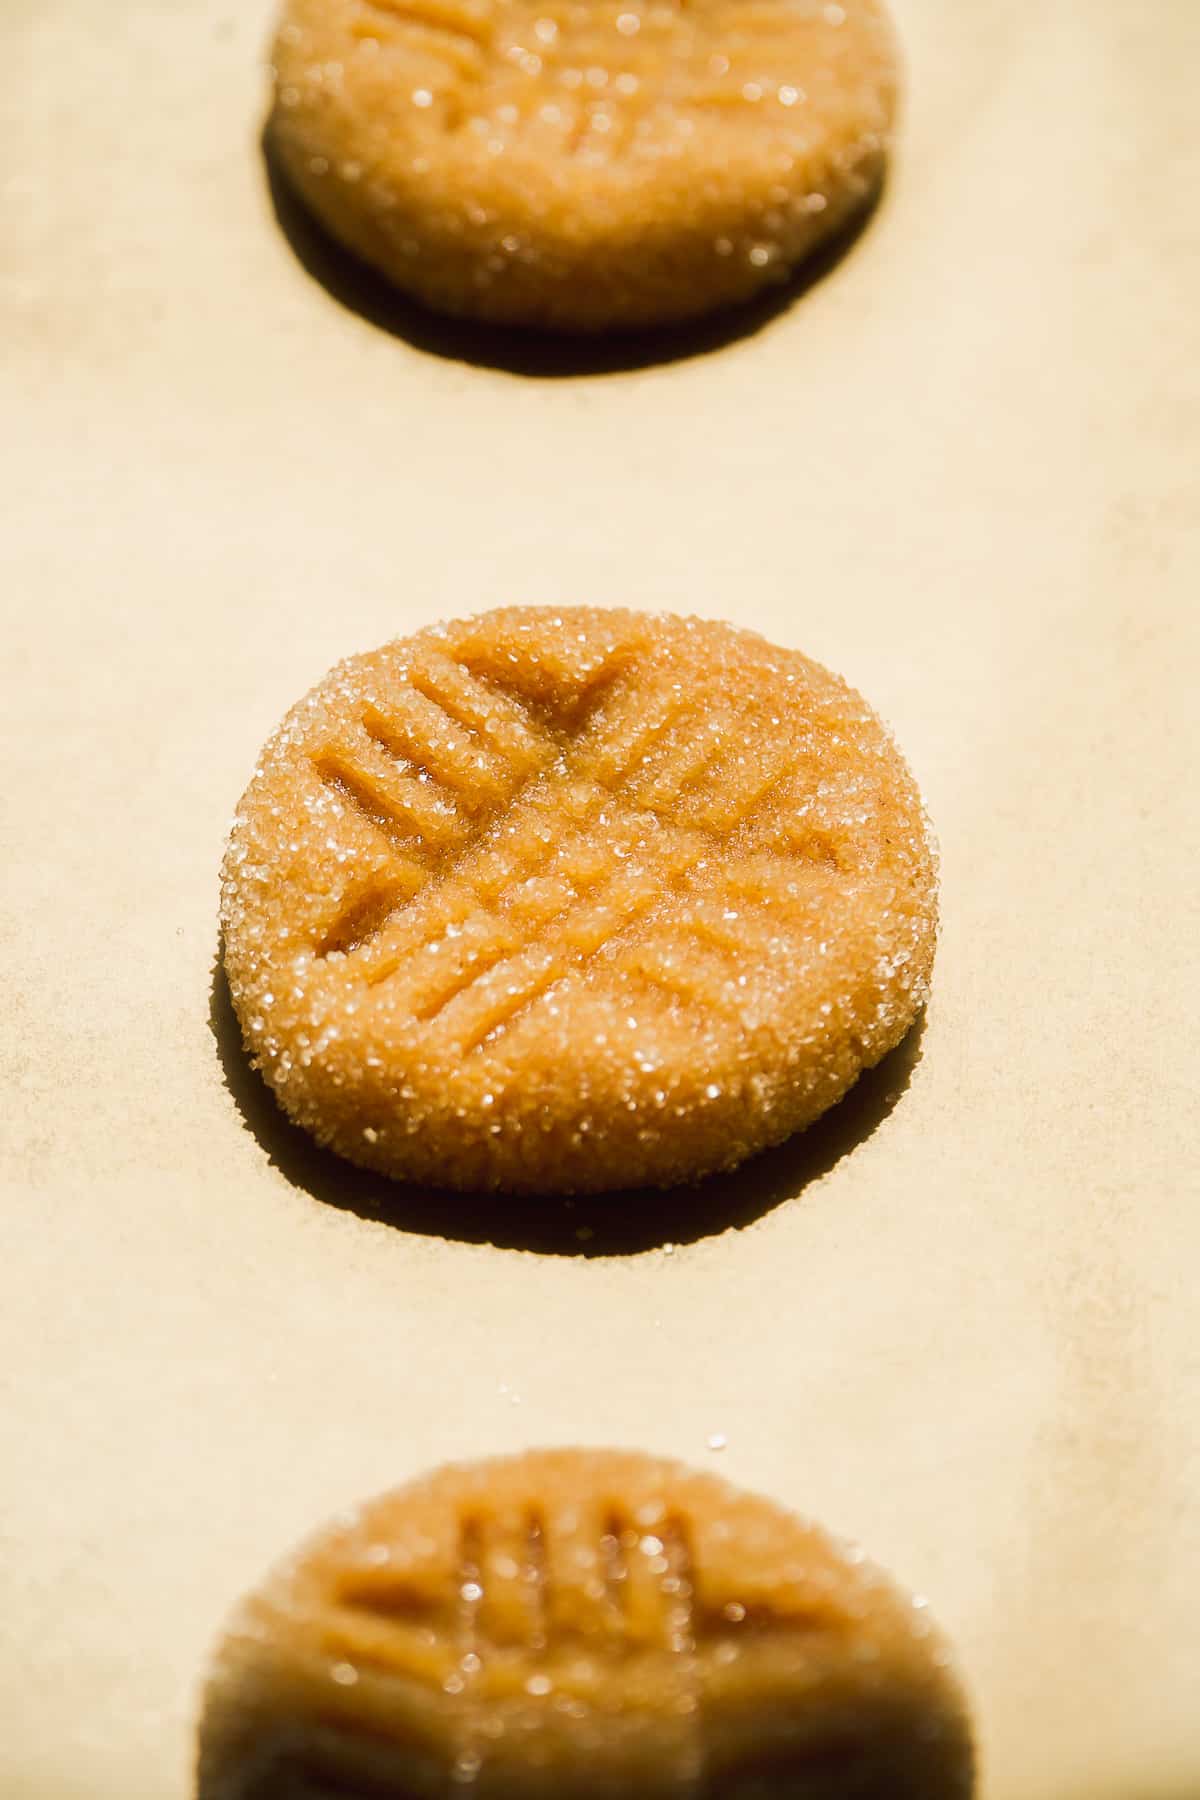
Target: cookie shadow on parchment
<point>616,1224</point>
<point>527,351</point>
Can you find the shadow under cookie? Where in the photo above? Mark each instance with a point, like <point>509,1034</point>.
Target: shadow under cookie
<point>614,1224</point>
<point>526,351</point>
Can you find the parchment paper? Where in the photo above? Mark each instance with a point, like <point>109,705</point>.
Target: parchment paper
<point>960,468</point>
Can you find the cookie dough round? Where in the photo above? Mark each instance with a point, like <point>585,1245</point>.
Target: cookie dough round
<point>572,1623</point>
<point>583,164</point>
<point>557,901</point>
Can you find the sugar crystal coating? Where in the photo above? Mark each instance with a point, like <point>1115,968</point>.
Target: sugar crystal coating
<point>574,900</point>
<point>583,164</point>
<point>574,1623</point>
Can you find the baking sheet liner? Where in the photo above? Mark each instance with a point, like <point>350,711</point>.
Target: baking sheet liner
<point>956,1323</point>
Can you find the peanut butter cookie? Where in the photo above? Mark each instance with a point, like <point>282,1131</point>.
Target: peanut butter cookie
<point>572,1623</point>
<point>574,900</point>
<point>583,164</point>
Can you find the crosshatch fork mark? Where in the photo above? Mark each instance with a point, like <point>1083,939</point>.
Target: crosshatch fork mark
<point>409,785</point>
<point>407,1601</point>
<point>542,1597</point>
<point>508,965</point>
<point>736,61</point>
<point>519,1585</point>
<point>365,917</point>
<point>459,36</point>
<point>502,1588</point>
<point>616,737</point>
<point>492,1022</point>
<point>679,1587</point>
<point>474,22</point>
<point>516,1596</point>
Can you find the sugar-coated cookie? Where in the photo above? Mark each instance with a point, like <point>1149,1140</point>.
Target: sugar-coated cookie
<point>581,1623</point>
<point>564,900</point>
<point>583,164</point>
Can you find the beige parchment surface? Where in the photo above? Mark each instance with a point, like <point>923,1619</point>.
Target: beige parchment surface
<point>961,469</point>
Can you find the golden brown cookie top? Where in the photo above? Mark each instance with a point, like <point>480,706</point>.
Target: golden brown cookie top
<point>574,899</point>
<point>583,1622</point>
<point>613,87</point>
<point>509,156</point>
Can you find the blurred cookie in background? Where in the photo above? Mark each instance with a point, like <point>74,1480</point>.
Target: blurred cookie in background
<point>581,1623</point>
<point>583,166</point>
